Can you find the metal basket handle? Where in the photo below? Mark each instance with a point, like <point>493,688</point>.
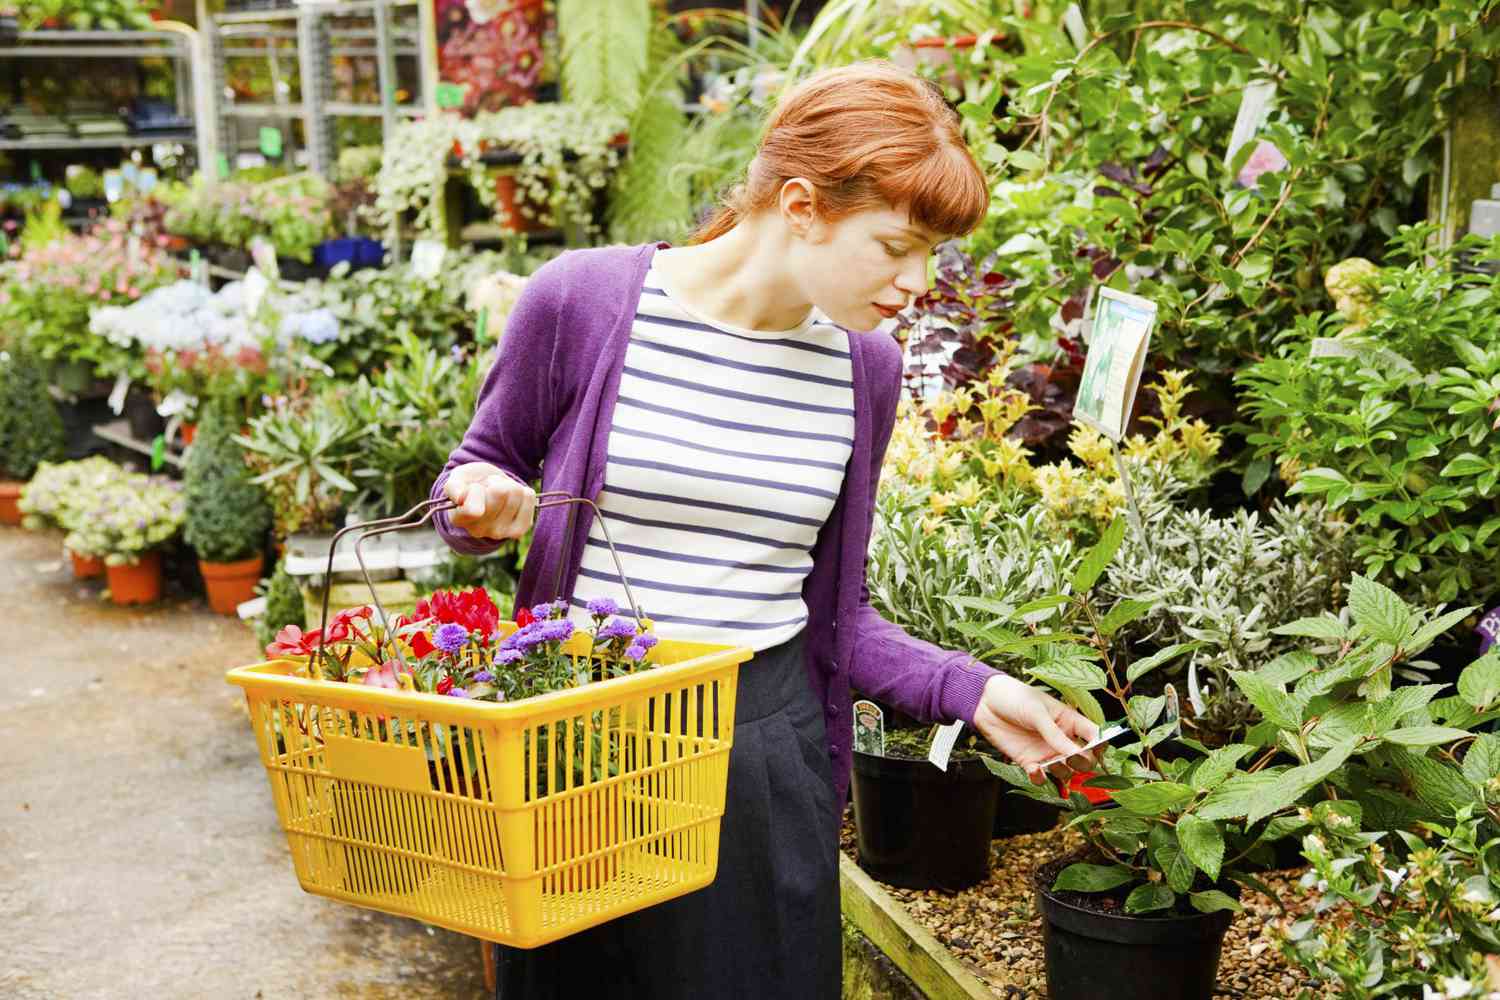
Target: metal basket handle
<point>424,512</point>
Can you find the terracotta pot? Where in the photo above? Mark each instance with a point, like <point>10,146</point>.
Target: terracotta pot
<point>138,584</point>
<point>86,567</point>
<point>189,431</point>
<point>10,495</point>
<point>508,202</point>
<point>230,584</point>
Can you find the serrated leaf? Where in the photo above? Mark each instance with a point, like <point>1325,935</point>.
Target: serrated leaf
<point>1123,614</point>
<point>1379,611</point>
<point>1237,795</point>
<point>1296,782</point>
<point>1401,702</point>
<point>1479,684</point>
<point>1084,702</point>
<point>1203,842</point>
<point>1340,724</point>
<point>1276,705</point>
<point>1218,765</point>
<point>1319,627</point>
<point>1482,761</point>
<point>1078,674</point>
<point>1142,667</point>
<point>1427,633</point>
<point>1210,900</point>
<point>1424,736</point>
<point>1098,558</point>
<point>1167,855</point>
<point>1440,788</point>
<point>1149,897</point>
<point>1092,878</point>
<point>1154,799</point>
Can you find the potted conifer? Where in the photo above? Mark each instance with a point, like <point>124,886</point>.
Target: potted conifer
<point>31,431</point>
<point>227,515</point>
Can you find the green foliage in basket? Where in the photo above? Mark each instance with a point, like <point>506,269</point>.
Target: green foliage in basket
<point>227,514</point>
<point>1227,582</point>
<point>283,605</point>
<point>31,429</point>
<point>126,518</point>
<point>566,151</point>
<point>1333,727</point>
<point>1395,914</point>
<point>1395,422</point>
<point>56,492</point>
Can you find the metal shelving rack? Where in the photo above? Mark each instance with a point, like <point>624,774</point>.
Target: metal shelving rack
<point>304,33</point>
<point>172,41</point>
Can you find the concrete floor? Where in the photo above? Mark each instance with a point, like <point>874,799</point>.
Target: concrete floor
<point>139,851</point>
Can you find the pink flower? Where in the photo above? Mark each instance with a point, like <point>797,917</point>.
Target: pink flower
<point>383,676</point>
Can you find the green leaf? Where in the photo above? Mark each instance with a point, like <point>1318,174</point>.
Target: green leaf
<point>1295,782</point>
<point>1479,684</point>
<point>1084,702</point>
<point>1098,558</point>
<point>1092,878</point>
<point>1141,668</point>
<point>1210,900</point>
<point>1176,866</point>
<point>1289,667</point>
<point>1238,794</point>
<point>1441,788</point>
<point>1318,480</point>
<point>1320,627</point>
<point>1377,609</point>
<point>1279,707</point>
<point>1122,614</point>
<point>1149,897</point>
<point>1467,464</point>
<point>1424,736</point>
<point>1047,603</point>
<point>1203,842</point>
<point>1025,161</point>
<point>1217,766</point>
<point>1000,609</point>
<point>1154,799</point>
<point>1482,761</point>
<point>1427,633</point>
<point>1070,671</point>
<point>1255,476</point>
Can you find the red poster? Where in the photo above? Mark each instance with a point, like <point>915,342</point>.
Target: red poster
<point>492,49</point>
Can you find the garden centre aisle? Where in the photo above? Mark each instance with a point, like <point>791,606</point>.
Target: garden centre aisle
<point>139,851</point>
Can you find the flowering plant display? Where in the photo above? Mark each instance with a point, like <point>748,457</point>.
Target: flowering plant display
<point>59,490</point>
<point>293,212</point>
<point>126,518</point>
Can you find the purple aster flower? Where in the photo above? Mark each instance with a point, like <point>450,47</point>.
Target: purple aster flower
<point>557,631</point>
<point>484,676</point>
<point>527,638</point>
<point>603,607</point>
<point>635,651</point>
<point>457,693</point>
<point>645,640</point>
<point>616,628</point>
<point>507,656</point>
<point>545,610</point>
<point>450,638</point>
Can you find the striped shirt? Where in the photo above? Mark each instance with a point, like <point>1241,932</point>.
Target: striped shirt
<point>726,455</point>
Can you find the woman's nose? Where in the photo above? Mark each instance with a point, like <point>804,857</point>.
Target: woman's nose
<point>912,278</point>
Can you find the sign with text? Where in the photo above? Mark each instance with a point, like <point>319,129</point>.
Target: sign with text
<point>1117,355</point>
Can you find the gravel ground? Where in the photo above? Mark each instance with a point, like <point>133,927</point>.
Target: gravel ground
<point>995,931</point>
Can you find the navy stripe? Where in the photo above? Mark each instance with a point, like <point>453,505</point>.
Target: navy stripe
<point>811,522</point>
<point>641,550</point>
<point>743,366</point>
<point>739,536</point>
<point>669,439</point>
<point>723,477</point>
<point>675,588</point>
<point>733,425</point>
<point>747,397</point>
<point>686,324</point>
<point>708,622</point>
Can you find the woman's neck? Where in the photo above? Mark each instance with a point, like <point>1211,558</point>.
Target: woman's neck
<point>740,279</point>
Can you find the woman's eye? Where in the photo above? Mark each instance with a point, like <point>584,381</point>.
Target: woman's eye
<point>894,251</point>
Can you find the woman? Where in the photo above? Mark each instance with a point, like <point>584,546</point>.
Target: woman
<point>719,404</point>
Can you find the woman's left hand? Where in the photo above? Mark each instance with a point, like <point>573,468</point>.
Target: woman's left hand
<point>1030,726</point>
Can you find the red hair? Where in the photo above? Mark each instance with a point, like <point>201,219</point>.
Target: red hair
<point>868,136</point>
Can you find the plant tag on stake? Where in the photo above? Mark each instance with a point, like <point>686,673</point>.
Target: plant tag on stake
<point>264,255</point>
<point>255,291</point>
<point>427,258</point>
<point>869,728</point>
<point>942,744</point>
<point>117,394</point>
<point>270,141</point>
<point>1116,357</point>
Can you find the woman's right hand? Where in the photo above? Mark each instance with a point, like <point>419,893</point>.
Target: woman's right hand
<point>491,504</point>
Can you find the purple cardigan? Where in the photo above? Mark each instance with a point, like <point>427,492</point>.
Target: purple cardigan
<point>546,409</point>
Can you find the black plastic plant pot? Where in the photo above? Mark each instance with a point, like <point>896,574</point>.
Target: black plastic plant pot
<point>140,413</point>
<point>1092,954</point>
<point>1016,814</point>
<point>921,828</point>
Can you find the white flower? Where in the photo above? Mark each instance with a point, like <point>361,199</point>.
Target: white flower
<point>484,11</point>
<point>1396,876</point>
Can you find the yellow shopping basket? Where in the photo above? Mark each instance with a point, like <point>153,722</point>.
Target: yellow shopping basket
<point>519,822</point>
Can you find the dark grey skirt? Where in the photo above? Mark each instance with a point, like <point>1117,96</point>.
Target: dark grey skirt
<point>769,923</point>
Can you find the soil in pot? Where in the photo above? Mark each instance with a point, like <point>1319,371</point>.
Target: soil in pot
<point>230,584</point>
<point>1094,949</point>
<point>923,828</point>
<point>138,584</point>
<point>10,497</point>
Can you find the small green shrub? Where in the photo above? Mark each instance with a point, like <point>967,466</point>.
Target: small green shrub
<point>283,606</point>
<point>31,429</point>
<point>227,514</point>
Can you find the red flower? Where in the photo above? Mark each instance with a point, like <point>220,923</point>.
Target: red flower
<point>1096,796</point>
<point>524,617</point>
<point>445,685</point>
<point>472,609</point>
<point>292,641</point>
<point>420,645</point>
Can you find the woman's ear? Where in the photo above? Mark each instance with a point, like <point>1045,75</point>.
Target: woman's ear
<point>799,208</point>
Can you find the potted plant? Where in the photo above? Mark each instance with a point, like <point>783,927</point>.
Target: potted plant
<point>1143,909</point>
<point>227,515</point>
<point>54,496</point>
<point>128,522</point>
<point>31,430</point>
<point>302,449</point>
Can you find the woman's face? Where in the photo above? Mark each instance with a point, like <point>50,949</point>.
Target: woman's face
<point>864,268</point>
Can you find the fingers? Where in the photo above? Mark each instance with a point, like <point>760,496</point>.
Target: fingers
<point>1056,738</point>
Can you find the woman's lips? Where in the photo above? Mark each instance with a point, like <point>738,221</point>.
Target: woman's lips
<point>885,311</point>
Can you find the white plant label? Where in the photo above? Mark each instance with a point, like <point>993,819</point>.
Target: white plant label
<point>942,744</point>
<point>427,258</point>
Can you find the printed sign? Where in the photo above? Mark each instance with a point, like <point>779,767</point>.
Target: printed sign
<point>1488,629</point>
<point>869,728</point>
<point>270,140</point>
<point>1117,354</point>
